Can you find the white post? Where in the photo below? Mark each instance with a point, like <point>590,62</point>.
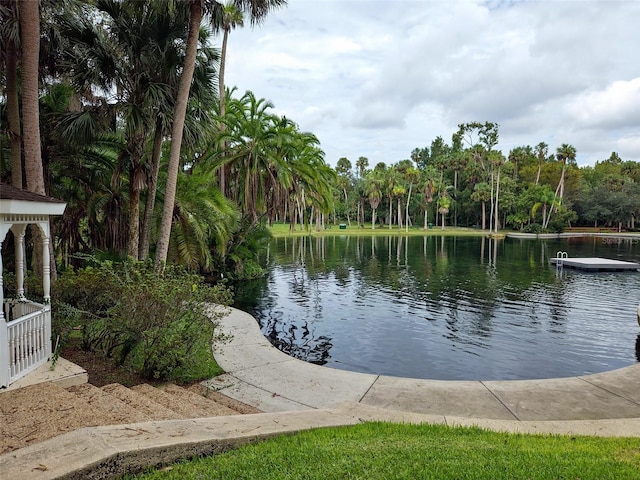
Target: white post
<point>46,265</point>
<point>46,285</point>
<point>18,233</point>
<point>4,339</point>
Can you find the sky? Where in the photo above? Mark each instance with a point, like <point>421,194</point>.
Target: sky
<point>381,78</point>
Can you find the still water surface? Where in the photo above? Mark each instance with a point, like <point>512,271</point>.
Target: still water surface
<point>448,307</point>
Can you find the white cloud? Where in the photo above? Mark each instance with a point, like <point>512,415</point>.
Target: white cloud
<point>379,78</point>
<point>617,106</point>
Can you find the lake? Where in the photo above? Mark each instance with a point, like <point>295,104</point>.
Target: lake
<point>451,308</point>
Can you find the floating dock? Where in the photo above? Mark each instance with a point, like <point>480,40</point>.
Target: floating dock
<point>595,264</point>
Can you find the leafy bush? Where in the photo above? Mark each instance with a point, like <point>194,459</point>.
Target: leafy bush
<point>242,259</point>
<point>160,324</point>
<point>532,228</point>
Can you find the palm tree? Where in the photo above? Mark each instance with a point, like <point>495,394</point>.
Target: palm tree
<point>9,42</point>
<point>391,186</point>
<point>444,202</point>
<point>124,57</point>
<point>565,153</point>
<point>257,10</point>
<point>542,150</point>
<point>374,193</point>
<point>497,160</point>
<point>546,199</point>
<point>204,222</point>
<point>482,193</point>
<point>345,181</point>
<point>30,43</point>
<point>231,18</point>
<point>429,192</point>
<point>252,134</point>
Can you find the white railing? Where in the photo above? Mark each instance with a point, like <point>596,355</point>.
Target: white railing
<point>29,338</point>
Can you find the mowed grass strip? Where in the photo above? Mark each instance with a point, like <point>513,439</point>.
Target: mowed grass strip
<point>393,451</point>
<point>283,230</point>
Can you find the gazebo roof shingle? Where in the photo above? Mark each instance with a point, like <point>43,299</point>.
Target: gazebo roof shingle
<point>7,192</point>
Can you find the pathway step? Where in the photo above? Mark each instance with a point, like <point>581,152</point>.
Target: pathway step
<point>44,410</point>
<point>120,411</point>
<point>202,406</point>
<point>141,402</point>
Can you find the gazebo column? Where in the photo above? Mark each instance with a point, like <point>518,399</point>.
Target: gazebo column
<point>19,233</point>
<point>4,336</point>
<point>46,284</point>
<point>46,263</point>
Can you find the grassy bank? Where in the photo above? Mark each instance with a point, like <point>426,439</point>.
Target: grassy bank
<point>283,230</point>
<point>391,451</point>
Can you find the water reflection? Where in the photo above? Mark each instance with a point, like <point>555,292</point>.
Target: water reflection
<point>446,307</point>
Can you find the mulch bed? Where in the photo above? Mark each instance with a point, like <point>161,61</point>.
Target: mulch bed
<point>102,371</point>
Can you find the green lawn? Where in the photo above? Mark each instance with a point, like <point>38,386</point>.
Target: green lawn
<point>391,451</point>
<point>282,230</point>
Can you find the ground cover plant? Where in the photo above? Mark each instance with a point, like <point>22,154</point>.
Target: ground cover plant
<point>393,451</point>
<point>159,325</point>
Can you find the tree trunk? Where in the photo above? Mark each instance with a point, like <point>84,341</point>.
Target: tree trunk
<point>346,205</point>
<point>195,18</point>
<point>13,116</point>
<point>30,36</point>
<point>223,99</point>
<point>30,42</point>
<point>152,182</point>
<point>496,217</point>
<point>406,216</point>
<point>455,205</point>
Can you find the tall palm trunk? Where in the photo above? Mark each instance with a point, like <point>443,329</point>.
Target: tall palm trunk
<point>30,36</point>
<point>406,216</point>
<point>496,218</point>
<point>30,42</point>
<point>177,131</point>
<point>137,182</point>
<point>222,95</point>
<point>13,116</point>
<point>152,187</point>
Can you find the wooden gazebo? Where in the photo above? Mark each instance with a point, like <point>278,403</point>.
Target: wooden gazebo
<point>25,326</point>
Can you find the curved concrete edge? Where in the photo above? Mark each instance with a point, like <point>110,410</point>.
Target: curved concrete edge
<point>543,236</point>
<point>109,451</point>
<point>260,375</point>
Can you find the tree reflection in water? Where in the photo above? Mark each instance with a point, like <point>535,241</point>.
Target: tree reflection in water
<point>296,341</point>
<point>456,308</point>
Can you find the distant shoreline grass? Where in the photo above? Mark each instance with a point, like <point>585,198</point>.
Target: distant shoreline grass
<point>381,451</point>
<point>283,230</point>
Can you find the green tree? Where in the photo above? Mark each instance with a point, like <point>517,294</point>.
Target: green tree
<point>565,154</point>
<point>345,182</point>
<point>232,18</point>
<point>482,193</point>
<point>546,198</point>
<point>541,152</point>
<point>373,188</point>
<point>257,10</point>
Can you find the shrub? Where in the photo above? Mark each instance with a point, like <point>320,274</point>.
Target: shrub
<point>532,228</point>
<point>161,325</point>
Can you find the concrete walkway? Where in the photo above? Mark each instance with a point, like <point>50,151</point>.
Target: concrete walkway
<point>262,376</point>
<point>299,396</point>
